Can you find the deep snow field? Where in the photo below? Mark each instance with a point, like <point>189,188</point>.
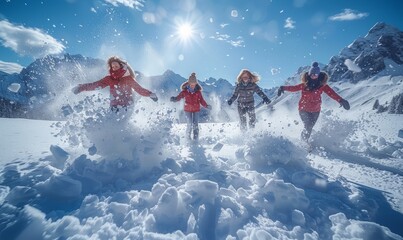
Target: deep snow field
<point>99,175</point>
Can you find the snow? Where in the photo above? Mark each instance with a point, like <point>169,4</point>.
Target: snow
<point>133,175</point>
<point>14,87</point>
<point>352,66</point>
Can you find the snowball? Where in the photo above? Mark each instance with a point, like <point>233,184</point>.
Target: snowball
<point>352,66</point>
<point>14,87</point>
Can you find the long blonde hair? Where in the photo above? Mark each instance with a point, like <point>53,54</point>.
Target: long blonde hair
<point>253,76</point>
<point>122,64</point>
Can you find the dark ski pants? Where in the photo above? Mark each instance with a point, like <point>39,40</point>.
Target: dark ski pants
<point>118,108</point>
<point>250,110</point>
<point>309,119</point>
<point>192,120</point>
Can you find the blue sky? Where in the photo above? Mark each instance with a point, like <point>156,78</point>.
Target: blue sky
<point>214,38</point>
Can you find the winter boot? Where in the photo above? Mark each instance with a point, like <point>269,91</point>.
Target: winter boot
<point>196,134</point>
<point>188,136</point>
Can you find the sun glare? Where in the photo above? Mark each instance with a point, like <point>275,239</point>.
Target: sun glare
<point>185,31</point>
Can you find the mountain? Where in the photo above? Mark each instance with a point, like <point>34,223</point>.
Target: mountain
<point>37,86</point>
<point>380,50</point>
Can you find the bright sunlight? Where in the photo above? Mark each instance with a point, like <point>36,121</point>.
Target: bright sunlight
<point>185,31</point>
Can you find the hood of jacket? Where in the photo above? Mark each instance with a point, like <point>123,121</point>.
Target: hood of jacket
<point>197,87</point>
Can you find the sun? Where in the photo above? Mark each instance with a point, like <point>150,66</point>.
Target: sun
<point>185,31</point>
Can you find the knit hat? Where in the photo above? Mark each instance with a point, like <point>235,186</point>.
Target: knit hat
<point>192,78</point>
<point>314,69</point>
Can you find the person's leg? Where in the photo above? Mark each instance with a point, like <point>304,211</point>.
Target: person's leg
<point>242,117</point>
<point>309,119</point>
<point>252,116</point>
<point>115,109</point>
<point>189,119</point>
<point>195,125</point>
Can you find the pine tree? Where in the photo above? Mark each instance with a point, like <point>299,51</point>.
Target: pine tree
<point>392,106</point>
<point>396,105</point>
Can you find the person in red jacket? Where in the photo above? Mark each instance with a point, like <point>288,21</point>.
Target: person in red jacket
<point>121,82</point>
<point>313,84</point>
<point>191,92</point>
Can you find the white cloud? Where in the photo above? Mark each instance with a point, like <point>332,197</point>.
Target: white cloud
<point>137,4</point>
<point>28,41</point>
<point>348,15</point>
<point>239,42</point>
<point>9,67</point>
<point>352,66</point>
<point>289,23</point>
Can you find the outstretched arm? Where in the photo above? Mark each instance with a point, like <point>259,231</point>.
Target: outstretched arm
<point>92,86</point>
<point>202,101</point>
<point>294,88</point>
<point>139,89</point>
<point>234,95</point>
<point>179,97</point>
<point>259,92</point>
<point>331,93</point>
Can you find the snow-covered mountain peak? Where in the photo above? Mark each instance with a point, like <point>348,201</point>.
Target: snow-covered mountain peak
<point>168,73</point>
<point>366,56</point>
<point>380,29</point>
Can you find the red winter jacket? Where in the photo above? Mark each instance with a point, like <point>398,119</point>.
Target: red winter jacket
<point>192,100</point>
<point>311,101</point>
<point>121,89</point>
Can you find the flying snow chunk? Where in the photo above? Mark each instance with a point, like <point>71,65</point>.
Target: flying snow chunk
<point>234,13</point>
<point>14,87</point>
<point>92,150</point>
<point>217,147</point>
<point>352,66</point>
<point>181,57</point>
<point>275,71</point>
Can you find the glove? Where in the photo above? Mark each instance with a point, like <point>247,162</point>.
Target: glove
<point>154,97</point>
<point>345,104</point>
<point>266,100</point>
<point>173,99</point>
<point>76,89</point>
<point>280,91</point>
<point>229,102</point>
<point>208,107</point>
